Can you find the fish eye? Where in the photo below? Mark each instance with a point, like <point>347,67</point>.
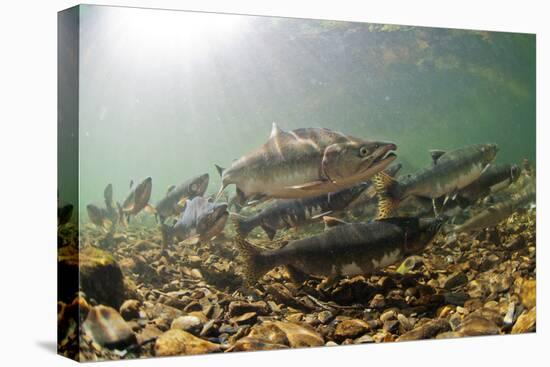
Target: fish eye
<point>194,187</point>
<point>363,151</point>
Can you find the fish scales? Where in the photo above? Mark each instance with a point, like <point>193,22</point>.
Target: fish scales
<point>305,163</point>
<point>286,213</point>
<point>347,249</point>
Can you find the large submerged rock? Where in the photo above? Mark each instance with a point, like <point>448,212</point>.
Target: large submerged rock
<point>100,276</point>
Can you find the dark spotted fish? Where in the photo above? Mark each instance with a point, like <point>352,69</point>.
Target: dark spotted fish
<point>291,213</point>
<point>344,250</point>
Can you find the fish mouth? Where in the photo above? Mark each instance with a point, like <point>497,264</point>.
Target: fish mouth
<point>386,156</point>
<point>387,152</point>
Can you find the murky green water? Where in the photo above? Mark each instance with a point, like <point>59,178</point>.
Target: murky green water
<point>169,94</point>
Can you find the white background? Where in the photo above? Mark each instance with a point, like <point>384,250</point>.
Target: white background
<point>28,181</point>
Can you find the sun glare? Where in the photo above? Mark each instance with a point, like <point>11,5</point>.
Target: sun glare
<point>191,28</point>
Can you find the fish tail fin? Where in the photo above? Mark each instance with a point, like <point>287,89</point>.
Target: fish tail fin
<point>243,225</point>
<point>385,185</point>
<point>254,263</point>
<point>167,235</point>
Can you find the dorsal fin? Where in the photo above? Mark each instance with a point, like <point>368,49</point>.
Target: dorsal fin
<point>131,183</point>
<point>275,130</point>
<point>170,188</point>
<point>108,194</point>
<point>220,169</point>
<point>436,154</point>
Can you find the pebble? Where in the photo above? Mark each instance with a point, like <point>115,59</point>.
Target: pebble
<point>129,310</point>
<point>510,313</point>
<point>455,280</point>
<point>475,325</point>
<point>295,317</point>
<point>388,315</point>
<point>391,326</point>
<point>325,316</point>
<point>350,329</point>
<point>107,328</point>
<point>516,244</point>
<point>445,311</point>
<point>449,335</point>
<point>163,312</point>
<point>300,335</point>
<point>279,334</point>
<point>492,315</point>
<point>189,323</point>
<point>427,330</point>
<point>456,298</point>
<point>405,323</point>
<point>178,342</point>
<point>248,318</point>
<point>526,322</point>
<point>364,339</point>
<point>528,293</point>
<point>378,301</point>
<point>455,320</point>
<point>237,308</point>
<point>476,289</point>
<point>252,344</point>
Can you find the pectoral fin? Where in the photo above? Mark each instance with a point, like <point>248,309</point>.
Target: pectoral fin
<point>150,209</point>
<point>129,207</point>
<point>296,275</point>
<point>192,240</point>
<point>269,231</point>
<point>332,222</point>
<point>308,186</point>
<point>321,215</point>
